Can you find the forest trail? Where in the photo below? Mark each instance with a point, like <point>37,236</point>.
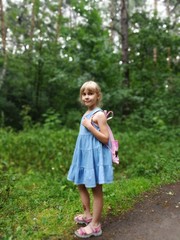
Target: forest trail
<point>156,216</point>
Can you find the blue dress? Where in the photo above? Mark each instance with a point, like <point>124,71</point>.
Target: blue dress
<point>92,162</point>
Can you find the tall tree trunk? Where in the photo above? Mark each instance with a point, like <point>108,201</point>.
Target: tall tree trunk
<point>32,19</point>
<point>155,49</point>
<point>155,7</point>
<point>3,29</point>
<point>58,29</point>
<point>168,49</point>
<point>3,35</point>
<point>125,45</point>
<point>167,8</point>
<point>38,78</point>
<point>32,23</point>
<point>112,7</point>
<point>155,55</point>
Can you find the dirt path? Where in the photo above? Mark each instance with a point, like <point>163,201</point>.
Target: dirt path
<point>155,217</point>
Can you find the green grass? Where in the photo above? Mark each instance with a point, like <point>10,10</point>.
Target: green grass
<point>40,206</point>
<point>36,200</point>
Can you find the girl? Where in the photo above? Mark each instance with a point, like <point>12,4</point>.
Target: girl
<point>91,164</point>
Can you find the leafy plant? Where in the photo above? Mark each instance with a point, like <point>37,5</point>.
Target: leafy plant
<point>37,201</point>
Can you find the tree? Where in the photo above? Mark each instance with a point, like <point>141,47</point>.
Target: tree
<point>54,46</point>
<point>59,18</point>
<point>124,41</point>
<point>3,35</point>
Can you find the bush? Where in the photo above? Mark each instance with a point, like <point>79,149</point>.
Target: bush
<point>150,153</point>
<point>40,149</point>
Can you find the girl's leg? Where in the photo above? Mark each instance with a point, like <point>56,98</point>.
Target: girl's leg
<point>97,210</point>
<point>97,205</point>
<point>85,198</point>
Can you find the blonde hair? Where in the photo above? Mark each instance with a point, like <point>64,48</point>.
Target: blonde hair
<point>94,87</point>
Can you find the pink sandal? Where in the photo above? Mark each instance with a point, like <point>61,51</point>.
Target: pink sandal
<point>95,231</point>
<point>81,219</point>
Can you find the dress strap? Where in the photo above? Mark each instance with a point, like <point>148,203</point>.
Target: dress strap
<point>95,110</point>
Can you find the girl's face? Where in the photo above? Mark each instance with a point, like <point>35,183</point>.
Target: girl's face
<point>89,98</point>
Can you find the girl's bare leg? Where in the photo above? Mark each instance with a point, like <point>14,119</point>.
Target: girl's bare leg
<point>85,198</point>
<point>97,205</point>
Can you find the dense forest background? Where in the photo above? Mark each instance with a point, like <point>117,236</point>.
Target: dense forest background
<point>49,48</point>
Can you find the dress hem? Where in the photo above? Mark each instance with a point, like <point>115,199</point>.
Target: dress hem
<point>92,186</point>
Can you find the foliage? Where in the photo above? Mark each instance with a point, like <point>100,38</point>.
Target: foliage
<point>49,56</point>
<point>159,156</point>
<point>43,148</point>
<point>38,202</point>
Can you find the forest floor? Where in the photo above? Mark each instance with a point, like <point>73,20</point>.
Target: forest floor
<point>155,216</point>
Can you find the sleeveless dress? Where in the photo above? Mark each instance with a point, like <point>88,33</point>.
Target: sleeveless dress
<point>91,162</point>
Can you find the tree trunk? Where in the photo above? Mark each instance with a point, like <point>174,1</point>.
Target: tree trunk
<point>3,35</point>
<point>168,49</point>
<point>155,7</point>
<point>32,20</point>
<point>167,8</point>
<point>125,46</point>
<point>3,29</point>
<point>112,7</point>
<point>59,20</point>
<point>38,78</point>
<point>155,49</point>
<point>155,55</point>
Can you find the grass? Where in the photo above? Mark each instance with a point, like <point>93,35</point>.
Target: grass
<point>38,207</point>
<point>40,204</point>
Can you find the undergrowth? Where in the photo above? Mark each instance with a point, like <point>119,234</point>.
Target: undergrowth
<point>36,200</point>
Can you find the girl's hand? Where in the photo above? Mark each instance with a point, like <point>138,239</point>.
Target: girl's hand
<point>102,134</point>
<point>86,123</point>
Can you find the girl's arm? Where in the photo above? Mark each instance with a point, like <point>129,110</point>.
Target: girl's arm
<point>100,119</point>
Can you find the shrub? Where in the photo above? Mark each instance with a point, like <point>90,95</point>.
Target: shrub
<point>40,149</point>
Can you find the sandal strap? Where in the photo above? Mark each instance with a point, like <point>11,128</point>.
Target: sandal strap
<point>95,229</point>
<point>82,231</point>
<point>81,217</point>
